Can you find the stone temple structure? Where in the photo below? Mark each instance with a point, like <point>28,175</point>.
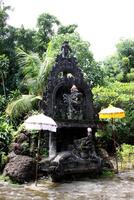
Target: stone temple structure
<point>68,100</point>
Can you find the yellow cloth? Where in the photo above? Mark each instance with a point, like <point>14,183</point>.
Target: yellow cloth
<point>111,112</point>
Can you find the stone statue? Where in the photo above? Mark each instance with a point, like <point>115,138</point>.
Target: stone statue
<point>73,102</point>
<point>84,147</point>
<point>65,49</point>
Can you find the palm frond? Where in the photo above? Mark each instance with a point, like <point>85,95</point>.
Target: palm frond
<point>22,106</point>
<point>45,68</point>
<point>29,63</point>
<point>32,69</point>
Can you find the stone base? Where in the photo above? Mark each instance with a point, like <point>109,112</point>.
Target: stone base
<point>20,169</point>
<point>65,164</point>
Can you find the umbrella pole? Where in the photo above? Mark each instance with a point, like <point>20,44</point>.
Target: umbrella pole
<point>37,158</point>
<point>116,157</point>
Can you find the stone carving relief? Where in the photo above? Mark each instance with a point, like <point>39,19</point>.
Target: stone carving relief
<point>68,96</point>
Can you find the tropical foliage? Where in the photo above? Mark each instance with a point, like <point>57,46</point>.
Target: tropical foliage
<point>6,136</point>
<point>27,57</point>
<point>120,66</point>
<point>122,96</point>
<point>81,50</point>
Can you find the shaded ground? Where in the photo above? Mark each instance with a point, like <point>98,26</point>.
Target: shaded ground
<point>121,187</point>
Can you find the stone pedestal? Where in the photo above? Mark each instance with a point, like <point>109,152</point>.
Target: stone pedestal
<point>52,145</point>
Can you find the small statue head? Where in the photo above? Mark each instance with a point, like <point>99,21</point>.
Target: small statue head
<point>65,49</point>
<point>74,89</point>
<point>65,43</point>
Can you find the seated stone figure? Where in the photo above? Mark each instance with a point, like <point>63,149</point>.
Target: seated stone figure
<point>84,147</point>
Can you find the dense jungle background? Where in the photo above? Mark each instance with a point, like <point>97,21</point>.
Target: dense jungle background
<point>26,58</point>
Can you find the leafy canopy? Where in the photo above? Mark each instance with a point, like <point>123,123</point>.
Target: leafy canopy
<point>82,52</point>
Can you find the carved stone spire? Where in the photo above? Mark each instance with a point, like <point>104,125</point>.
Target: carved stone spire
<point>65,50</point>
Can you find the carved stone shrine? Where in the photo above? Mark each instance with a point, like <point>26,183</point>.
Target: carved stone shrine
<point>68,100</point>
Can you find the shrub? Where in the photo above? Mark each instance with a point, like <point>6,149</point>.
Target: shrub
<point>120,95</point>
<point>130,76</point>
<point>5,140</point>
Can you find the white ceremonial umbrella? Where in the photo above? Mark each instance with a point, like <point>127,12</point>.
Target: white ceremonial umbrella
<point>40,122</point>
